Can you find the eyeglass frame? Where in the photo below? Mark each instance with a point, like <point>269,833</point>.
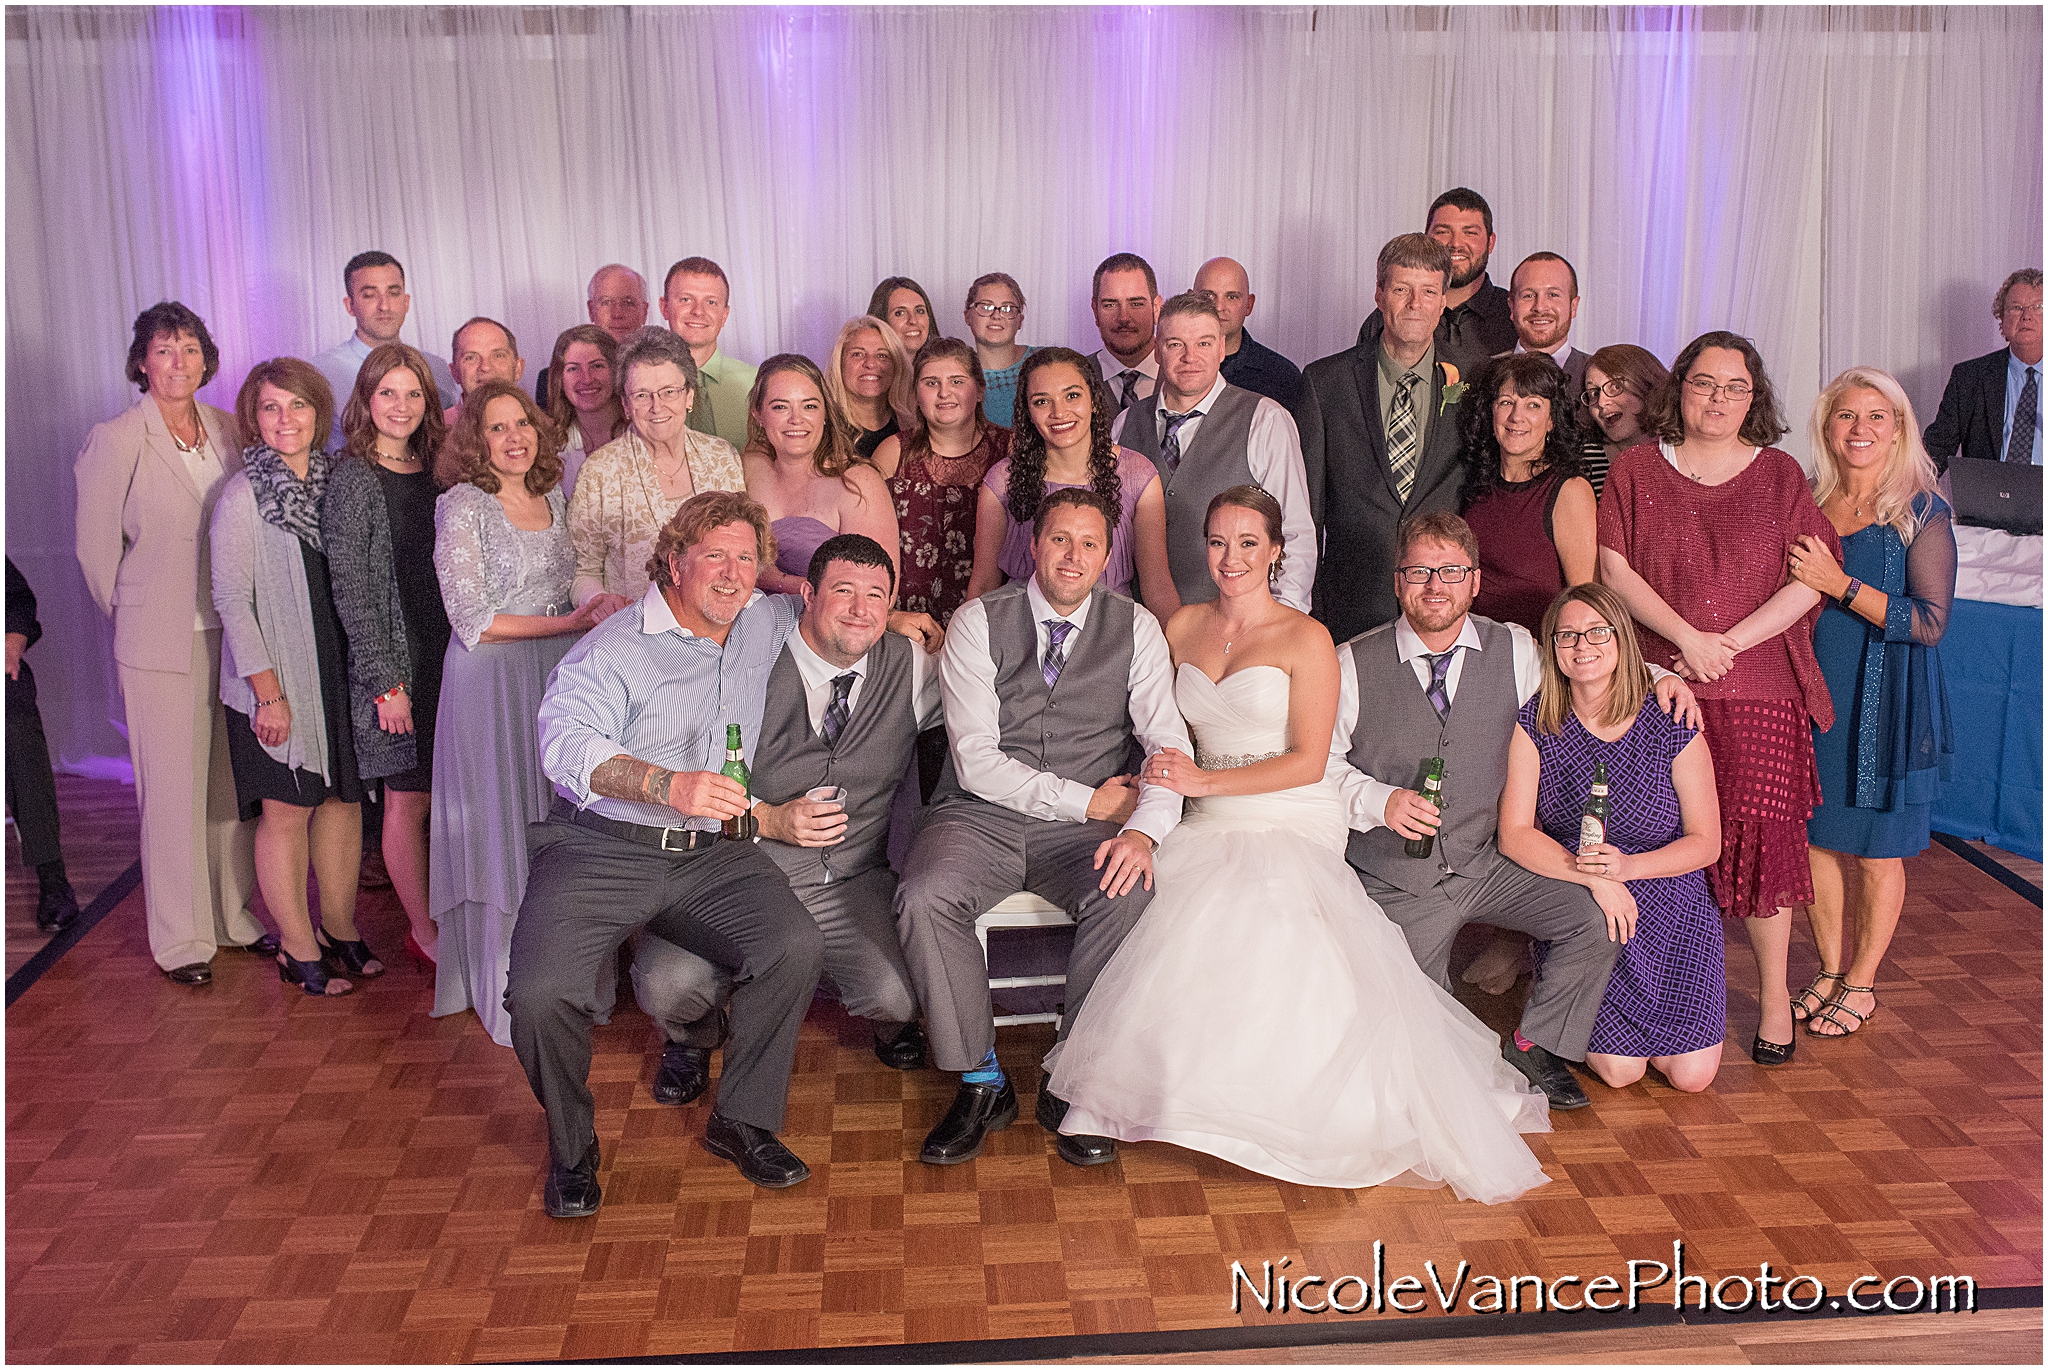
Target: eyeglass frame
<point>989,309</point>
<point>1613,389</point>
<point>1557,639</point>
<point>1716,388</point>
<point>670,395</point>
<point>1442,573</point>
<point>2021,309</point>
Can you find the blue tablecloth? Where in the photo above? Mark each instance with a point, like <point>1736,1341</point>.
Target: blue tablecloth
<point>1991,658</point>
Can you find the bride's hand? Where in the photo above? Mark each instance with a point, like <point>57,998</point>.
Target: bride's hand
<point>1173,769</point>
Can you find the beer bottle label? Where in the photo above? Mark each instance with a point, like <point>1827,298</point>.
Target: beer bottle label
<point>1592,831</point>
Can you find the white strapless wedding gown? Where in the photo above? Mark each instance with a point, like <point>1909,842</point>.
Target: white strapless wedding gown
<point>1265,1011</point>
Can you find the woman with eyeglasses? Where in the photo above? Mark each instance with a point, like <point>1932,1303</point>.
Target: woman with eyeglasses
<point>1887,606</point>
<point>1619,379</point>
<point>995,313</point>
<point>1525,498</point>
<point>634,484</point>
<point>1696,532</point>
<point>1666,1003</point>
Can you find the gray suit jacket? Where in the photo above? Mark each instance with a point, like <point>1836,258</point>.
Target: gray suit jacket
<point>1351,487</point>
<point>143,532</point>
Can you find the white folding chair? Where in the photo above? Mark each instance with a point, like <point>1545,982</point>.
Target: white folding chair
<point>1021,910</point>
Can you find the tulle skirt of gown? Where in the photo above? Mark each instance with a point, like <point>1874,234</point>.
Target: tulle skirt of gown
<point>1264,1010</point>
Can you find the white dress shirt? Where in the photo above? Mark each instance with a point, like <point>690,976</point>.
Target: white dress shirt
<point>1561,355</point>
<point>1365,799</point>
<point>818,674</point>
<point>967,681</point>
<point>1273,452</point>
<point>1113,372</point>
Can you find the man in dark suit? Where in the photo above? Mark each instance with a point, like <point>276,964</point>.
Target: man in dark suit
<point>1991,398</point>
<point>1543,295</point>
<point>1477,320</point>
<point>1379,437</point>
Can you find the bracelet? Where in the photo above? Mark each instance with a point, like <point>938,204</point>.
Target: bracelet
<point>266,703</point>
<point>1848,596</point>
<point>394,692</point>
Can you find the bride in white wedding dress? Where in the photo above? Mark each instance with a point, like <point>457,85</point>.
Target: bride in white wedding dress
<point>1264,1010</point>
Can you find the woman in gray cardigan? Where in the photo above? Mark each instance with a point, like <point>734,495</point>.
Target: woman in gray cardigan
<point>378,524</point>
<point>284,677</point>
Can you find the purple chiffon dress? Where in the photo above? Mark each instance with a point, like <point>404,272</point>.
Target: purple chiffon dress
<point>1669,991</point>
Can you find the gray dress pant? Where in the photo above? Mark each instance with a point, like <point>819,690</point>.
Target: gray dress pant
<point>586,891</point>
<point>681,990</point>
<point>1566,997</point>
<point>969,856</point>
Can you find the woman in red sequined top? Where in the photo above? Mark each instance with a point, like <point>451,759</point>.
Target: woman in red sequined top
<point>1695,533</point>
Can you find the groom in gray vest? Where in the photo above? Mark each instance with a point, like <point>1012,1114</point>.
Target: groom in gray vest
<point>1443,682</point>
<point>1051,686</point>
<point>1205,436</point>
<point>845,703</point>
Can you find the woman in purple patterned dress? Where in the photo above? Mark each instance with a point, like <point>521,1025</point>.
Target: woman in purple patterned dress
<point>1666,1004</point>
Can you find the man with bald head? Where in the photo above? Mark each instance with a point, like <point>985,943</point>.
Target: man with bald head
<point>1247,363</point>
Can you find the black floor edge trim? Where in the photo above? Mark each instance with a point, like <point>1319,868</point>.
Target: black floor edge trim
<point>1379,1329</point>
<point>53,951</point>
<point>2018,884</point>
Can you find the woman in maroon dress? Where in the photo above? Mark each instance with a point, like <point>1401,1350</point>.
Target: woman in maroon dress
<point>933,474</point>
<point>1695,534</point>
<point>1525,498</point>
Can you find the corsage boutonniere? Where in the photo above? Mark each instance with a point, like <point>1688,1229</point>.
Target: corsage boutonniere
<point>1454,389</point>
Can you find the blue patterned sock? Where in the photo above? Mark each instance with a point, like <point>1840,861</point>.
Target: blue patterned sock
<point>987,1073</point>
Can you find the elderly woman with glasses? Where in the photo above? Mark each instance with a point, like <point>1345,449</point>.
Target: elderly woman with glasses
<point>634,484</point>
<point>1696,533</point>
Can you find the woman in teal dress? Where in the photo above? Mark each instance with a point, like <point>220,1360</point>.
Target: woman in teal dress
<point>1886,606</point>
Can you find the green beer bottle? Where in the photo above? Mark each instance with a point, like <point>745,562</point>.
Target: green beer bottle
<point>735,768</point>
<point>1433,791</point>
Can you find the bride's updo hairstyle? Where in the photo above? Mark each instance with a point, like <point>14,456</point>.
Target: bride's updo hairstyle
<point>1256,499</point>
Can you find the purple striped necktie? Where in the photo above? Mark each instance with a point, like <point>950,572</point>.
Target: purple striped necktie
<point>1056,630</point>
<point>1439,693</point>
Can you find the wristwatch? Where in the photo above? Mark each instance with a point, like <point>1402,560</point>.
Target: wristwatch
<point>1848,597</point>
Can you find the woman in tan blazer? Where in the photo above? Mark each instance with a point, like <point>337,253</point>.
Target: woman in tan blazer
<point>147,482</point>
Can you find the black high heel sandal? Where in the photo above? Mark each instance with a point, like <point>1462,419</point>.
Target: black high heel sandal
<point>355,958</point>
<point>311,976</point>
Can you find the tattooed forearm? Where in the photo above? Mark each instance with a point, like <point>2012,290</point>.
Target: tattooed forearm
<point>624,777</point>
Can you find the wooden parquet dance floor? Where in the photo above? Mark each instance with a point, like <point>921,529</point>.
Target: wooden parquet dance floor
<point>241,1173</point>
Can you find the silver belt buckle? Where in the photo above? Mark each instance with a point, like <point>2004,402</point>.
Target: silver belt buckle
<point>685,839</point>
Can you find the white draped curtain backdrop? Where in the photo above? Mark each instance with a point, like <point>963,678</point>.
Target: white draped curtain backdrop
<point>1844,185</point>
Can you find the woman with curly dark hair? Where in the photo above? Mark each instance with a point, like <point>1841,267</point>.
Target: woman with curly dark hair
<point>803,469</point>
<point>502,552</point>
<point>1696,532</point>
<point>1060,440</point>
<point>1526,496</point>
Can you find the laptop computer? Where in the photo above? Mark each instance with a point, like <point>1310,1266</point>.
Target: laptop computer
<point>1996,494</point>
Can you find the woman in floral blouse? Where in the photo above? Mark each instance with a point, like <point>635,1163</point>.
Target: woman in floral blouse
<point>933,472</point>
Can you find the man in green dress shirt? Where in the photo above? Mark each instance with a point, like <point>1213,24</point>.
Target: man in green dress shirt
<point>694,302</point>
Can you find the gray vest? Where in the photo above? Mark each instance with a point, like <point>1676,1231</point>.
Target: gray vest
<point>869,760</point>
<point>1398,731</point>
<point>1209,465</point>
<point>1080,731</point>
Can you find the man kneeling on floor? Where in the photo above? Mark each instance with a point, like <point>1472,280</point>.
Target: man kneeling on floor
<point>845,703</point>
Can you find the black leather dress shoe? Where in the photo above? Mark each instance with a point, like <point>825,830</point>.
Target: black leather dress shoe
<point>1547,1073</point>
<point>56,906</point>
<point>266,945</point>
<point>762,1159</point>
<point>977,1111</point>
<point>198,973</point>
<point>906,1052</point>
<point>572,1191</point>
<point>683,1074</point>
<point>1078,1149</point>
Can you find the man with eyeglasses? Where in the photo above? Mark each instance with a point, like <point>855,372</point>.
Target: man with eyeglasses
<point>1543,300</point>
<point>1443,682</point>
<point>695,303</point>
<point>1992,406</point>
<point>1247,363</point>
